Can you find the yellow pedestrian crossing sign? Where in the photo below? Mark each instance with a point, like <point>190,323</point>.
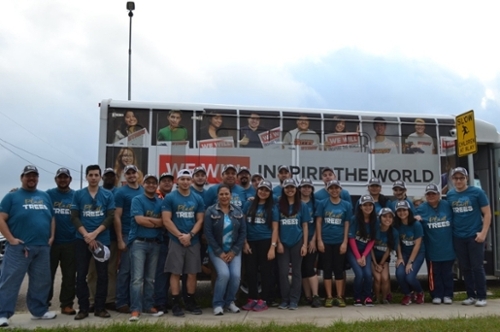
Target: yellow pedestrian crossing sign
<point>466,133</point>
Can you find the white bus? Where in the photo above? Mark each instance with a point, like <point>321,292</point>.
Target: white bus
<point>358,145</point>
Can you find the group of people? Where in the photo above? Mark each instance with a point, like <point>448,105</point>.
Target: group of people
<point>124,248</point>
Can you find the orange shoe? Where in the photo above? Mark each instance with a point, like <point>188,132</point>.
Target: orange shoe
<point>134,317</point>
<point>68,311</point>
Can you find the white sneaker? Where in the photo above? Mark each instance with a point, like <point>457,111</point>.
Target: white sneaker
<point>436,300</point>
<point>218,311</point>
<point>481,303</point>
<point>447,300</point>
<point>233,308</point>
<point>469,301</point>
<point>4,322</point>
<point>47,315</point>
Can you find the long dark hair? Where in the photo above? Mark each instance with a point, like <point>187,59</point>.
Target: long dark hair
<point>284,206</point>
<point>390,235</point>
<point>268,209</point>
<point>411,218</point>
<point>362,228</point>
<point>312,198</point>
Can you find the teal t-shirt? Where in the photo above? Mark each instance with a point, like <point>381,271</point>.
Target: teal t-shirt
<point>290,227</point>
<point>184,210</point>
<point>311,226</point>
<point>93,211</point>
<point>147,207</point>
<point>30,215</point>
<point>408,234</point>
<point>354,233</point>
<point>381,242</point>
<point>258,229</point>
<point>123,199</point>
<point>466,206</point>
<point>333,219</point>
<point>61,202</point>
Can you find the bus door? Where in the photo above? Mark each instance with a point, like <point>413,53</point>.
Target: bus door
<point>495,205</point>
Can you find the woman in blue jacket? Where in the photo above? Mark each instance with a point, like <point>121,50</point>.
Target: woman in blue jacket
<point>225,231</point>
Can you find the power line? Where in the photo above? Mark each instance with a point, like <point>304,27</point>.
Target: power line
<point>6,148</point>
<point>50,161</point>
<point>39,137</point>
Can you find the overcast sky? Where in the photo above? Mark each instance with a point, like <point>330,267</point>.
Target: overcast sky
<point>59,59</point>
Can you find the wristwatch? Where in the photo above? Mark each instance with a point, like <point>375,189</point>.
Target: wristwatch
<point>192,234</point>
<point>411,262</point>
<point>274,244</point>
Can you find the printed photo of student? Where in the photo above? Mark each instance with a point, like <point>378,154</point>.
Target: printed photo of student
<point>125,122</point>
<point>172,126</point>
<point>342,133</point>
<point>301,132</point>
<point>253,126</point>
<point>420,136</point>
<point>384,135</point>
<point>174,131</point>
<point>119,158</point>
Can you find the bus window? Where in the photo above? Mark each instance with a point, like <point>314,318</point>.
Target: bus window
<point>301,129</point>
<point>342,133</point>
<point>128,127</point>
<point>259,130</point>
<point>172,125</point>
<point>383,133</point>
<point>217,129</point>
<point>418,136</point>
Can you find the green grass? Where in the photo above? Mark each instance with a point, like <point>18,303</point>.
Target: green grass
<point>485,323</point>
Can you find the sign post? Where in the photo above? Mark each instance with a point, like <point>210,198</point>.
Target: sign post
<point>466,134</point>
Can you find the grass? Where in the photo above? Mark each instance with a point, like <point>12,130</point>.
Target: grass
<point>485,323</point>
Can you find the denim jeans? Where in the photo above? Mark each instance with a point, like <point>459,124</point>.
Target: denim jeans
<point>228,280</point>
<point>83,255</point>
<point>441,284</point>
<point>123,277</point>
<point>144,259</point>
<point>63,254</point>
<point>470,256</point>
<point>409,282</point>
<point>14,267</point>
<point>290,292</point>
<point>362,276</point>
<point>162,278</point>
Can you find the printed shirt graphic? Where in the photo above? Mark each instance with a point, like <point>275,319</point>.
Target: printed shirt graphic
<point>380,246</point>
<point>61,202</point>
<point>334,217</point>
<point>238,196</point>
<point>290,227</point>
<point>385,146</point>
<point>184,210</point>
<point>123,199</point>
<point>354,233</point>
<point>147,207</point>
<point>438,231</point>
<point>258,230</point>
<point>407,236</point>
<point>307,138</point>
<point>227,234</point>
<point>93,211</point>
<point>30,215</point>
<point>466,207</point>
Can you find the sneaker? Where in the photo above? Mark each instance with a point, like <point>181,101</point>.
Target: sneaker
<point>283,305</point>
<point>358,303</point>
<point>193,308</point>
<point>406,300</point>
<point>447,300</point>
<point>329,302</point>
<point>154,312</point>
<point>4,322</point>
<point>218,311</point>
<point>260,306</point>
<point>389,297</point>
<point>47,315</point>
<point>436,300</point>
<point>386,301</point>
<point>134,317</point>
<point>481,303</point>
<point>68,311</point>
<point>469,301</point>
<point>368,302</point>
<point>233,308</point>
<point>250,305</point>
<point>316,302</point>
<point>293,306</point>
<point>420,298</point>
<point>341,302</point>
<point>177,311</point>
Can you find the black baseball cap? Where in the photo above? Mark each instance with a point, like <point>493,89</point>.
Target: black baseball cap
<point>402,205</point>
<point>29,169</point>
<point>374,182</point>
<point>64,171</point>
<point>199,169</point>
<point>244,169</point>
<point>399,184</point>
<point>109,170</point>
<point>281,167</point>
<point>166,175</point>
<point>431,188</point>
<point>130,167</point>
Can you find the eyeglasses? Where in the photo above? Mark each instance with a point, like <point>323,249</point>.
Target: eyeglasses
<point>461,178</point>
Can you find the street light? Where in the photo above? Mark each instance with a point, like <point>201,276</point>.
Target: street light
<point>130,8</point>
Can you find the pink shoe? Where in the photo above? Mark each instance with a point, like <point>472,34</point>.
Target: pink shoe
<point>260,306</point>
<point>250,304</point>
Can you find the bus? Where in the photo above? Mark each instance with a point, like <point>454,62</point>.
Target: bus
<point>416,148</point>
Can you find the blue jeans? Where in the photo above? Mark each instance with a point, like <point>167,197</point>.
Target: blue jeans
<point>123,277</point>
<point>441,284</point>
<point>83,256</point>
<point>362,276</point>
<point>162,278</point>
<point>14,267</point>
<point>144,258</point>
<point>409,282</point>
<point>228,280</point>
<point>470,256</point>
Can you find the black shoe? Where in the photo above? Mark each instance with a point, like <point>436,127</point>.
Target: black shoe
<point>102,313</point>
<point>91,308</point>
<point>81,315</point>
<point>193,308</point>
<point>177,311</point>
<point>110,306</point>
<point>125,309</point>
